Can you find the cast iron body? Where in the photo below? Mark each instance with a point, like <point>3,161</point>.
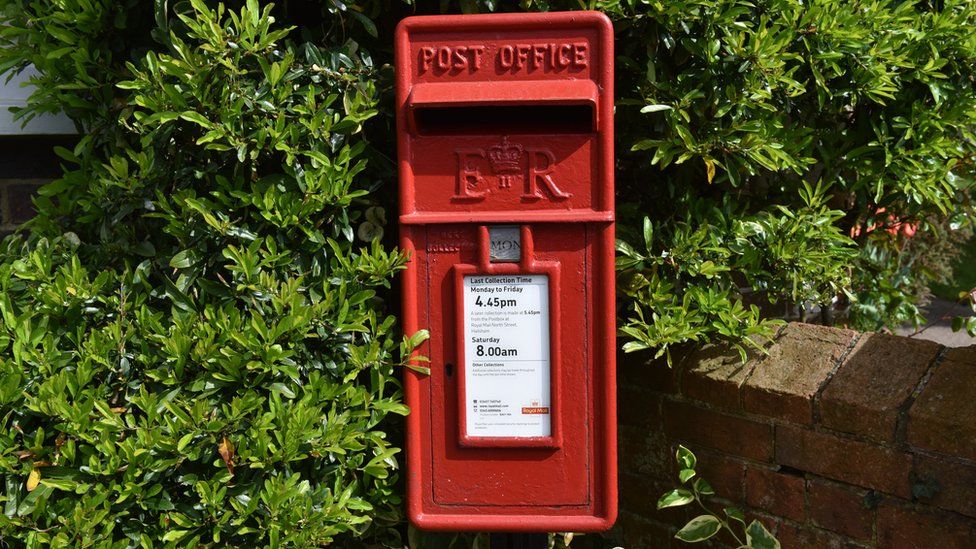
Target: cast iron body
<point>508,120</point>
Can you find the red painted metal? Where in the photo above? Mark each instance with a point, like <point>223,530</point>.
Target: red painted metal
<point>508,120</point>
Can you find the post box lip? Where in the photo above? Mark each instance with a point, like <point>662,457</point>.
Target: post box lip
<point>520,92</point>
<point>481,21</point>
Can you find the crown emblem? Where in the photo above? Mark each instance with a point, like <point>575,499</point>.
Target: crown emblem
<point>504,157</point>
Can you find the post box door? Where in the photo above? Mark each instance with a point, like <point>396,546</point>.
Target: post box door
<point>506,193</point>
<point>510,473</point>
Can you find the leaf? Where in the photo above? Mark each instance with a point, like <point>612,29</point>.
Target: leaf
<point>282,389</point>
<point>184,259</point>
<point>758,537</point>
<point>675,498</point>
<point>656,108</point>
<point>699,528</point>
<point>184,441</point>
<point>61,484</point>
<point>197,118</point>
<point>735,514</point>
<point>419,337</point>
<point>33,479</point>
<point>226,450</point>
<point>648,232</point>
<point>366,22</point>
<point>709,169</point>
<point>686,459</point>
<point>175,535</point>
<point>685,474</point>
<point>703,488</point>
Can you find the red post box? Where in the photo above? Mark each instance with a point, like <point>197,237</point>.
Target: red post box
<point>505,137</point>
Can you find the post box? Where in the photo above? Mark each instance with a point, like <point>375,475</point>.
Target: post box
<point>505,139</point>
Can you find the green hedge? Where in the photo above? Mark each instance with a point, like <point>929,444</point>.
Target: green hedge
<point>797,144</point>
<point>196,343</point>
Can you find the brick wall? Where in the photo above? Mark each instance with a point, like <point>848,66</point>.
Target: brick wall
<point>834,439</point>
<point>26,163</point>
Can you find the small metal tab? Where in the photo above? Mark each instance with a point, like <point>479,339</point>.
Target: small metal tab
<point>506,243</point>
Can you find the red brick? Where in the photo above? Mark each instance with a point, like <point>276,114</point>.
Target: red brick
<point>714,374</point>
<point>639,493</point>
<point>784,384</point>
<point>843,459</point>
<point>637,531</point>
<point>724,473</point>
<point>643,371</point>
<point>776,493</point>
<point>638,407</point>
<point>941,419</point>
<point>904,527</point>
<point>946,484</point>
<point>794,536</point>
<point>731,434</point>
<point>644,451</point>
<point>879,376</point>
<point>840,509</point>
<point>962,354</point>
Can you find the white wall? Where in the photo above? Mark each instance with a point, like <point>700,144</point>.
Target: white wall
<point>13,94</point>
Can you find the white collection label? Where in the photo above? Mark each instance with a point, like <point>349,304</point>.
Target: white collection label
<point>506,356</point>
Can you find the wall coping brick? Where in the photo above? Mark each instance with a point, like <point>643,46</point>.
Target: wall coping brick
<point>942,417</point>
<point>867,393</point>
<point>801,359</point>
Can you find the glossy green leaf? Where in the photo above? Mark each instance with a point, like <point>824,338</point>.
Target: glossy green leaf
<point>699,528</point>
<point>675,498</point>
<point>758,537</point>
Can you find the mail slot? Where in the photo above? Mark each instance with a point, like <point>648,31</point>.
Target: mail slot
<point>505,138</point>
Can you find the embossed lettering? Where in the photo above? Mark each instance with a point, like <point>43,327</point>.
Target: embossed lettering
<point>460,57</point>
<point>521,54</point>
<point>506,56</point>
<point>449,241</point>
<point>451,58</point>
<point>469,178</point>
<point>426,58</point>
<point>563,60</point>
<point>539,55</point>
<point>484,171</point>
<point>540,174</point>
<point>579,55</point>
<point>444,58</point>
<point>477,51</point>
<point>553,57</point>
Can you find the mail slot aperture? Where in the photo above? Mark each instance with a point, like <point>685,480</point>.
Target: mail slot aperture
<point>510,119</point>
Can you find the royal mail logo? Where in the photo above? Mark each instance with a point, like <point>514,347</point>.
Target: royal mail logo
<point>505,157</point>
<point>535,410</point>
<point>508,165</point>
